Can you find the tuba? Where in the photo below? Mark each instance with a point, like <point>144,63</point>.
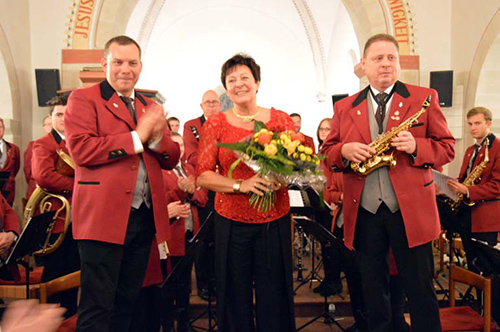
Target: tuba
<point>383,144</point>
<point>42,201</point>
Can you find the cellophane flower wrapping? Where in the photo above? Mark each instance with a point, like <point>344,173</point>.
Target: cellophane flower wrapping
<point>278,157</point>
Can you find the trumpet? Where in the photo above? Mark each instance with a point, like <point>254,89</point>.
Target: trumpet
<point>383,144</point>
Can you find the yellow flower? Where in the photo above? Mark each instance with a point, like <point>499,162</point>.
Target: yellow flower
<point>302,157</point>
<point>295,155</point>
<point>301,148</point>
<point>318,162</point>
<point>283,137</point>
<point>308,158</point>
<point>290,146</point>
<point>308,150</point>
<point>270,149</point>
<point>274,142</point>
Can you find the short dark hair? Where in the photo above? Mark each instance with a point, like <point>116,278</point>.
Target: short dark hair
<point>173,133</point>
<point>173,118</point>
<point>380,37</point>
<point>57,101</point>
<point>121,40</point>
<point>480,110</point>
<point>296,114</point>
<point>240,59</point>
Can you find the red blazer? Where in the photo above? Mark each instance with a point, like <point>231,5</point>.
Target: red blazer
<point>98,129</point>
<point>27,156</point>
<point>411,179</point>
<point>309,141</point>
<point>44,171</point>
<point>191,135</point>
<point>173,193</point>
<point>486,193</point>
<point>8,217</point>
<point>12,165</point>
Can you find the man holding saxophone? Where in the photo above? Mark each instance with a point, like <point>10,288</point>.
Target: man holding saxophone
<point>391,206</point>
<point>481,168</point>
<point>55,176</point>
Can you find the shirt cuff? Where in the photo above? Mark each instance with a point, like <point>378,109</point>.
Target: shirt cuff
<point>154,144</point>
<point>138,147</point>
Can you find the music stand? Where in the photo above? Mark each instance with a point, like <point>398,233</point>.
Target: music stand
<point>186,263</point>
<point>32,238</point>
<point>325,237</point>
<point>488,256</point>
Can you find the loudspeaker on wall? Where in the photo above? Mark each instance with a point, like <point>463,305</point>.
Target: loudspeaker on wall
<point>442,82</point>
<point>47,85</point>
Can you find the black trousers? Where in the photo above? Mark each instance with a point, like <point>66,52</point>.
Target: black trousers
<point>112,276</point>
<point>62,261</point>
<point>475,261</point>
<point>375,234</point>
<point>256,255</point>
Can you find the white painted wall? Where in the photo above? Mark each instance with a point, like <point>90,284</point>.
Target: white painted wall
<point>192,40</point>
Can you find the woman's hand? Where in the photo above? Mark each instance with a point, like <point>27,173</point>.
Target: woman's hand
<point>187,185</point>
<point>256,185</point>
<point>178,210</point>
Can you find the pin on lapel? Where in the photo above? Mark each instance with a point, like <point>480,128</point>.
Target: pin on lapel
<point>143,110</point>
<point>358,112</point>
<point>395,118</point>
<point>396,113</point>
<point>400,104</point>
<point>115,105</point>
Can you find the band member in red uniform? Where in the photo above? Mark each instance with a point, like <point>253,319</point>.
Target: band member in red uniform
<point>45,163</point>
<point>10,163</point>
<point>391,207</point>
<point>119,141</point>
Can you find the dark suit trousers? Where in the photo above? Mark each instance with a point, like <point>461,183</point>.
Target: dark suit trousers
<point>112,276</point>
<point>375,234</point>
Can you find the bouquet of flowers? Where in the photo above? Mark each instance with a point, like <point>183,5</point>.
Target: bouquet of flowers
<point>278,156</point>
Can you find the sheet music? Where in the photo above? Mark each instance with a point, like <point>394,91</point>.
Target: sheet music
<point>440,180</point>
<point>295,198</point>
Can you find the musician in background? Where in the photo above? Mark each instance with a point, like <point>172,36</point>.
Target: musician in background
<point>183,197</point>
<point>391,208</point>
<point>210,105</point>
<point>297,123</point>
<point>479,220</point>
<point>204,261</point>
<point>28,155</point>
<point>55,176</point>
<point>10,162</point>
<point>173,124</point>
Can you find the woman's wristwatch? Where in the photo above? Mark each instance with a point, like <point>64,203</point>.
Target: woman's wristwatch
<point>237,186</point>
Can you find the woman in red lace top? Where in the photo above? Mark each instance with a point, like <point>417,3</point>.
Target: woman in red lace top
<point>251,246</point>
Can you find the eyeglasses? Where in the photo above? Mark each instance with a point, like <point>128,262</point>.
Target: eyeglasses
<point>324,129</point>
<point>211,102</point>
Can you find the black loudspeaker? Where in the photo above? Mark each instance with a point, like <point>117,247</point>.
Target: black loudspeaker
<point>47,85</point>
<point>336,98</point>
<point>442,82</point>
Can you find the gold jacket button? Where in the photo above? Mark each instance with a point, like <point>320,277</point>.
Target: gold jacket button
<point>128,191</point>
<point>355,201</point>
<point>134,168</point>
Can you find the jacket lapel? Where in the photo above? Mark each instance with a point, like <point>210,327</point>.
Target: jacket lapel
<point>359,115</point>
<point>116,106</point>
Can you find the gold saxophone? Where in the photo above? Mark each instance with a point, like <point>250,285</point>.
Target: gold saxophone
<point>474,176</point>
<point>40,200</point>
<point>383,143</point>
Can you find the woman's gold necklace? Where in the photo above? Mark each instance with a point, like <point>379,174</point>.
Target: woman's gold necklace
<point>247,118</point>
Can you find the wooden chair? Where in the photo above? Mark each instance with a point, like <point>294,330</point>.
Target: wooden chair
<point>465,318</point>
<point>66,282</point>
<point>17,289</point>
